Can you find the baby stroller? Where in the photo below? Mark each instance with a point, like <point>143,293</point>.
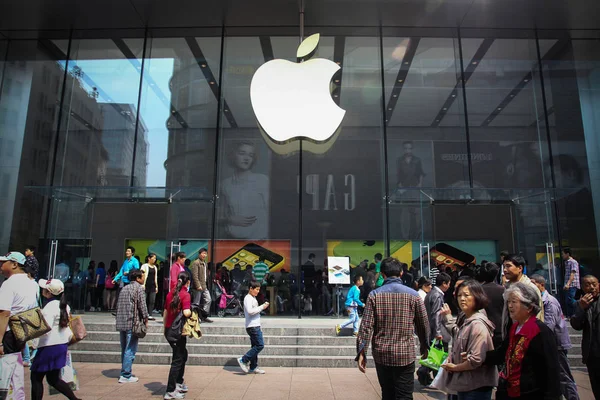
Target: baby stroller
<point>228,303</point>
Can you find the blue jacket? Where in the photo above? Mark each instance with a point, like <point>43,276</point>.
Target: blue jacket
<point>353,298</point>
<point>127,266</point>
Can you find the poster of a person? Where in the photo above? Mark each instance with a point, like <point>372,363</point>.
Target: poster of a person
<point>244,213</point>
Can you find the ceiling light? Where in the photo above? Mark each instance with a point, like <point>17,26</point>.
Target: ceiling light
<point>335,95</point>
<point>212,82</point>
<point>389,109</point>
<point>337,81</point>
<point>474,62</point>
<point>203,65</point>
<point>437,120</point>
<point>499,108</point>
<point>338,63</point>
<point>525,80</point>
<point>400,80</point>
<point>406,62</point>
<point>226,110</point>
<point>512,95</point>
<point>444,108</point>
<point>395,95</point>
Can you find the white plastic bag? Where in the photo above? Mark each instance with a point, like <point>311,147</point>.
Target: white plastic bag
<point>68,375</point>
<point>441,379</point>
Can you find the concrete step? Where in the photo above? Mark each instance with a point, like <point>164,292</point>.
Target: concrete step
<point>224,349</point>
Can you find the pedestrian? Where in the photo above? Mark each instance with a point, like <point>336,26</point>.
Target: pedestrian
<point>131,263</point>
<point>424,286</point>
<point>77,282</point>
<point>352,304</point>
<point>27,353</point>
<point>391,333</point>
<point>514,266</point>
<point>100,286</point>
<point>572,284</point>
<point>378,277</point>
<point>201,293</point>
<point>249,361</point>
<point>553,318</point>
<point>178,301</point>
<point>488,275</point>
<point>260,270</point>
<point>52,347</point>
<point>17,294</point>
<point>585,319</point>
<point>111,289</point>
<point>528,351</point>
<point>177,267</point>
<point>150,283</point>
<point>130,306</point>
<point>472,335</point>
<point>433,304</point>
<point>31,263</point>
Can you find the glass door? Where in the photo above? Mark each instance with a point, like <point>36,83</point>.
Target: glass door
<point>535,234</point>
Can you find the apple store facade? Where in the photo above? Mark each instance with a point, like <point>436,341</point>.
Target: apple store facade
<point>468,130</point>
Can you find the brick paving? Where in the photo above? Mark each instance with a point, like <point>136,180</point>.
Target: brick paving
<point>99,381</point>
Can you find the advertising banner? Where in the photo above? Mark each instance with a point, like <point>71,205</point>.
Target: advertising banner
<point>338,270</point>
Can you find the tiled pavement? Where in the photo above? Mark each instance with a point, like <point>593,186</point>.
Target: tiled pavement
<point>99,381</point>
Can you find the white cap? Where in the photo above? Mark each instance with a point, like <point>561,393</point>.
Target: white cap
<point>54,286</point>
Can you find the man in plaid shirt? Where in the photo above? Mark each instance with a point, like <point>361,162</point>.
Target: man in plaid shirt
<point>571,281</point>
<point>131,297</point>
<point>392,314</point>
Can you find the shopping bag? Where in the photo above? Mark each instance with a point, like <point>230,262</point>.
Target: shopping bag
<point>12,377</point>
<point>69,375</point>
<point>441,380</point>
<point>435,357</point>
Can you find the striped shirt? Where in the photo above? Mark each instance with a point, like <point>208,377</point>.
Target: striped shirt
<point>392,314</point>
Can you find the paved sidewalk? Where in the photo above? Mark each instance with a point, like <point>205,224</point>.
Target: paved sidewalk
<point>99,381</point>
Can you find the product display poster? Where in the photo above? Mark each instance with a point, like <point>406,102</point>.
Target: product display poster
<point>339,270</point>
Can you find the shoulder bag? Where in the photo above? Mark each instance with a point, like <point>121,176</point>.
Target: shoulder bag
<point>139,327</point>
<point>78,329</point>
<point>28,325</point>
<point>173,333</point>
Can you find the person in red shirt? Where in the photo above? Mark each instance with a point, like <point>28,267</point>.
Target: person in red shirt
<point>178,300</point>
<point>177,267</point>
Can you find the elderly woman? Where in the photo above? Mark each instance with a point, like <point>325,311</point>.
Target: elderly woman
<point>472,336</point>
<point>529,351</point>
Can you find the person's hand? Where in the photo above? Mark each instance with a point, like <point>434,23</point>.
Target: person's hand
<point>586,301</point>
<point>1,350</point>
<point>425,355</point>
<point>239,220</point>
<point>464,356</point>
<point>126,273</point>
<point>114,282</point>
<point>362,363</point>
<point>439,337</point>
<point>156,290</point>
<point>566,288</point>
<point>266,304</point>
<point>445,310</point>
<point>449,367</point>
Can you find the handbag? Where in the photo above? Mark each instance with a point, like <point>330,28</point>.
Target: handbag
<point>435,357</point>
<point>139,327</point>
<point>108,282</point>
<point>28,325</point>
<point>78,330</point>
<point>173,333</point>
<point>440,382</point>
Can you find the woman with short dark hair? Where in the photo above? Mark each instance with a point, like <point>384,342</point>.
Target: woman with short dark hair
<point>529,351</point>
<point>472,336</point>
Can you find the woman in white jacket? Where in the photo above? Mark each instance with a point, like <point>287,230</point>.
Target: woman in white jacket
<point>52,348</point>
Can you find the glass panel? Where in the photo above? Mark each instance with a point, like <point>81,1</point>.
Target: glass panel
<point>343,207</point>
<point>31,91</point>
<point>175,144</point>
<point>257,180</point>
<point>571,72</point>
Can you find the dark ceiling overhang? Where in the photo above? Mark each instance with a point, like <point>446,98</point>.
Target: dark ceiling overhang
<point>36,15</point>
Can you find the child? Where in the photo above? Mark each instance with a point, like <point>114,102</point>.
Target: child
<point>249,362</point>
<point>352,303</point>
<point>307,304</point>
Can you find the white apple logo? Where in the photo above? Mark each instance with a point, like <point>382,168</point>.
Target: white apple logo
<point>293,100</point>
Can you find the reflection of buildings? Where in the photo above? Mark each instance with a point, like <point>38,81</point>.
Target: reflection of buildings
<point>30,100</point>
<point>118,138</point>
<point>191,125</point>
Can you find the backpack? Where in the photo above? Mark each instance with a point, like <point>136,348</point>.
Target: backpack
<point>108,283</point>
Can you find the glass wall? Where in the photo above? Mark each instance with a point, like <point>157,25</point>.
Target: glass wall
<point>455,144</point>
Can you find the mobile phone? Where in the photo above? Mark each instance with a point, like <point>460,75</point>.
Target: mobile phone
<point>447,256</point>
<point>250,254</point>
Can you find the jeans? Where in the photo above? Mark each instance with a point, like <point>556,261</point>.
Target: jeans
<point>568,387</point>
<point>472,395</point>
<point>180,356</point>
<point>26,354</point>
<point>150,300</point>
<point>397,383</point>
<point>256,340</point>
<point>129,346</point>
<point>570,301</point>
<point>353,319</point>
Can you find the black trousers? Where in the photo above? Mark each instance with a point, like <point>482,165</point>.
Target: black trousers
<point>180,356</point>
<point>10,344</point>
<point>397,383</point>
<point>593,367</point>
<point>53,378</point>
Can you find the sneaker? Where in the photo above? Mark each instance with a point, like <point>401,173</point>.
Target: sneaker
<point>151,319</point>
<point>174,395</point>
<point>131,379</point>
<point>338,329</point>
<point>257,371</point>
<point>244,366</point>
<point>181,388</point>
<point>26,363</point>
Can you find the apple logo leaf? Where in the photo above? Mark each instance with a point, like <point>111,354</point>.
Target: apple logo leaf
<point>308,46</point>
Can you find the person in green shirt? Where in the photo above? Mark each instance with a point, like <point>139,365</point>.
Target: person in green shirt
<point>260,269</point>
<point>378,277</point>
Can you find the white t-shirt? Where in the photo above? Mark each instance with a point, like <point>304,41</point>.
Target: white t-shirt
<point>57,335</point>
<point>252,311</point>
<point>422,293</point>
<point>17,294</point>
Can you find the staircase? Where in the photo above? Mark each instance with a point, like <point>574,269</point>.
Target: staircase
<point>289,342</point>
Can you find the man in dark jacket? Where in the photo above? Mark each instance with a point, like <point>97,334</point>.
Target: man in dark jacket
<point>586,312</point>
<point>201,298</point>
<point>433,304</point>
<point>488,275</point>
